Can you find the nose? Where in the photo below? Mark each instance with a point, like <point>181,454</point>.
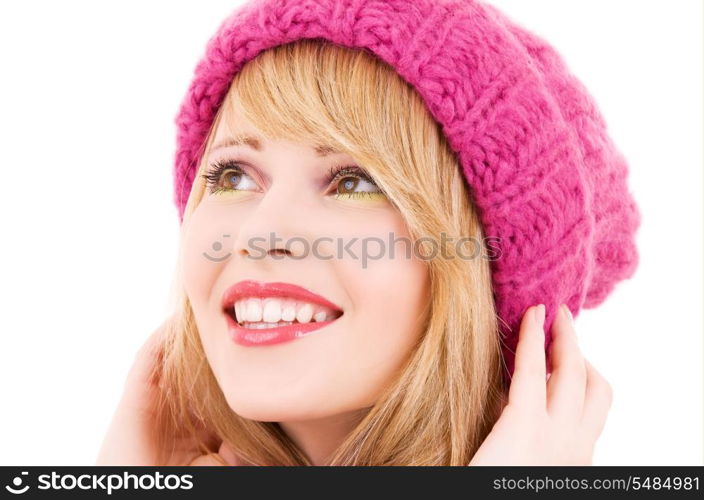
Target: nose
<point>274,227</point>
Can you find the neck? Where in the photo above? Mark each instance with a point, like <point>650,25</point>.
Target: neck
<point>319,438</point>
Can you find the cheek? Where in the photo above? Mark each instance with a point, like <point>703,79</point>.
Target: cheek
<point>206,250</point>
<point>196,241</point>
<point>388,293</point>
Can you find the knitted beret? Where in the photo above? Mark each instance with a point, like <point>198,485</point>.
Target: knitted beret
<point>548,182</point>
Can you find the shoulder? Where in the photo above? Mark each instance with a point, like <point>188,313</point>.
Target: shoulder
<point>225,456</point>
<point>209,459</point>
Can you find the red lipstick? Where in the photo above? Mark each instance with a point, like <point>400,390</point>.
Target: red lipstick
<point>268,336</point>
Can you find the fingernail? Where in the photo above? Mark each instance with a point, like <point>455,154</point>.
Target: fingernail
<point>540,317</point>
<point>567,313</point>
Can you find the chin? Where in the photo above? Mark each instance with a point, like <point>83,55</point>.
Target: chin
<point>272,409</point>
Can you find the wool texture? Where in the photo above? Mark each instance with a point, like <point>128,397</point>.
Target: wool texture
<point>548,182</point>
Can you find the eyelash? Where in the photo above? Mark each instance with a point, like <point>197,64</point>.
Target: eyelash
<point>341,171</point>
<point>215,173</point>
<point>337,172</point>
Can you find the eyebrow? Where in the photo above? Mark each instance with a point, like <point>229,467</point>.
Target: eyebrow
<point>256,144</point>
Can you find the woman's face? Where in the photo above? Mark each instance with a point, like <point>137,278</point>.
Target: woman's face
<point>244,229</point>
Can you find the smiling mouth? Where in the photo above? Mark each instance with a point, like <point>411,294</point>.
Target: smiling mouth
<point>247,315</point>
<point>260,313</point>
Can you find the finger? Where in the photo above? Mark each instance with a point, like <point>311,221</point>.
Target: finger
<point>144,373</point>
<point>528,382</point>
<point>145,358</point>
<point>597,402</point>
<point>567,384</point>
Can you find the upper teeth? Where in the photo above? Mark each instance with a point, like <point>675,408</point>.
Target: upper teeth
<point>273,310</point>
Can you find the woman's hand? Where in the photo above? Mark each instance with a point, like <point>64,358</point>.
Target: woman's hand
<point>131,437</point>
<point>548,423</point>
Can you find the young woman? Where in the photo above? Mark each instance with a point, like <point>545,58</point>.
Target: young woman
<point>341,300</point>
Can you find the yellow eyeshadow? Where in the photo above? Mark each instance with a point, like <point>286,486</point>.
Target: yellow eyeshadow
<point>229,192</point>
<point>361,196</point>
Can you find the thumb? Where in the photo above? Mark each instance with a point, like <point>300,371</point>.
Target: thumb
<point>143,377</point>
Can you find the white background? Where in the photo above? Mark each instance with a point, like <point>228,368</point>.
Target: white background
<point>88,94</point>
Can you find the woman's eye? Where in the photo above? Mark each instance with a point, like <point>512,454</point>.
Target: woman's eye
<point>229,177</point>
<point>353,185</point>
<point>233,179</point>
<point>348,185</point>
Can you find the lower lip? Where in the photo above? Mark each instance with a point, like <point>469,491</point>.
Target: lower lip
<point>269,336</point>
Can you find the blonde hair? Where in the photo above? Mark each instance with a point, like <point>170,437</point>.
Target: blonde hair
<point>450,392</point>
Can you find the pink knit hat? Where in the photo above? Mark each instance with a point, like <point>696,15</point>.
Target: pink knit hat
<point>548,181</point>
